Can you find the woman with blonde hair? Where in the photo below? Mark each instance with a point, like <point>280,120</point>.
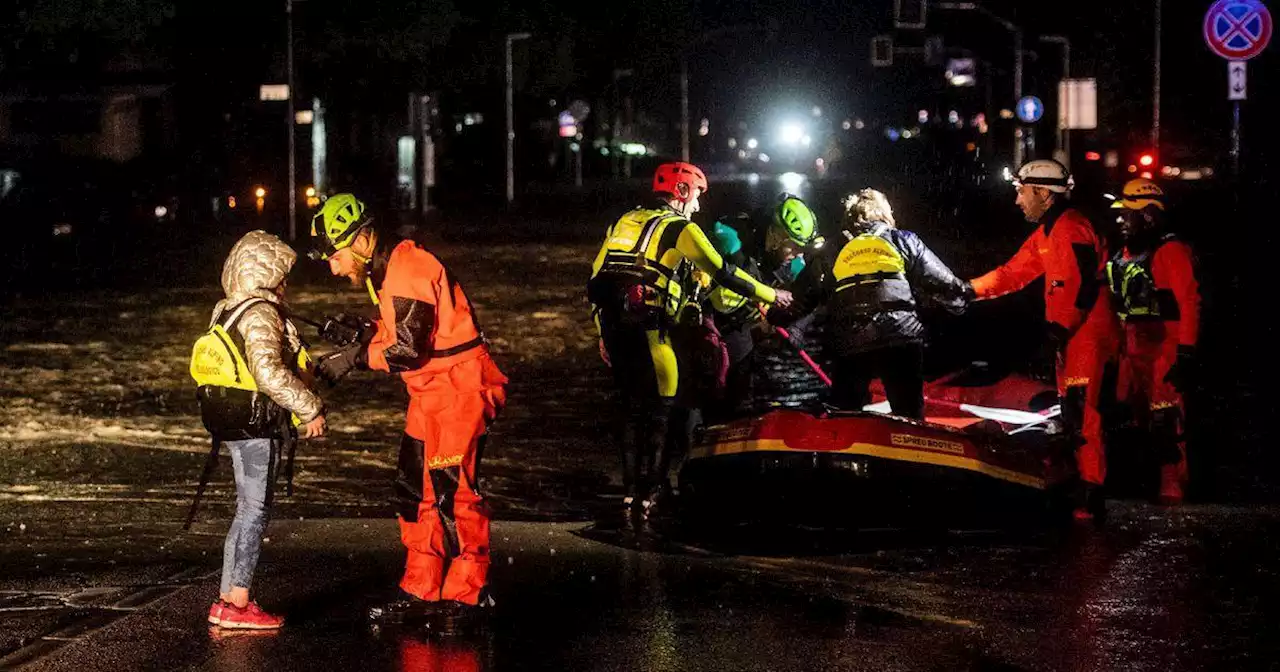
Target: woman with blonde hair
<point>872,281</point>
<point>867,207</point>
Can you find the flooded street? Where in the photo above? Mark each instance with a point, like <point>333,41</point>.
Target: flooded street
<point>101,446</point>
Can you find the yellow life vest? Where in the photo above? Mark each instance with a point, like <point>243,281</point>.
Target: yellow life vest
<point>634,253</point>
<point>869,275</point>
<point>867,258</point>
<point>1135,288</point>
<point>217,360</point>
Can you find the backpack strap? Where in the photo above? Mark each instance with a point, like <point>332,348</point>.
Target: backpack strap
<point>237,312</point>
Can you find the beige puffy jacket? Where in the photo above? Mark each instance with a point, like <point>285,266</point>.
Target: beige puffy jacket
<point>258,263</point>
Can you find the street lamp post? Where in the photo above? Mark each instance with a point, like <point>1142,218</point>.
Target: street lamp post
<point>684,108</point>
<point>289,121</point>
<point>1155,86</point>
<point>511,130</point>
<point>1064,100</point>
<point>1017,61</point>
<point>768,29</point>
<point>618,73</point>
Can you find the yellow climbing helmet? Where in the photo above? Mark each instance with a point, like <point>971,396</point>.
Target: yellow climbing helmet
<point>1139,194</point>
<point>336,224</point>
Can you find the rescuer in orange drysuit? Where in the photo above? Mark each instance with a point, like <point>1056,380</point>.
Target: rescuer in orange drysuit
<point>1067,251</point>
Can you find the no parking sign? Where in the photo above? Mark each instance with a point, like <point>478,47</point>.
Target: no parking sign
<point>1237,30</point>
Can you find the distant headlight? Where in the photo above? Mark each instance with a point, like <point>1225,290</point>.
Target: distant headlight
<point>161,212</point>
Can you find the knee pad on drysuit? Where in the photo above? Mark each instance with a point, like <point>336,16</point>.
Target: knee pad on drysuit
<point>1166,434</point>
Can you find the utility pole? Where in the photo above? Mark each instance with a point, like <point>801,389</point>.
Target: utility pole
<point>614,160</point>
<point>289,122</point>
<point>1155,89</point>
<point>1017,95</point>
<point>1064,101</point>
<point>511,129</point>
<point>684,108</point>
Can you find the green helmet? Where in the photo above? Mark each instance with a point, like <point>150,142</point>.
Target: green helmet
<point>336,224</point>
<point>794,217</point>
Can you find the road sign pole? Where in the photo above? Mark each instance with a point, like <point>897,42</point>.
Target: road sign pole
<point>1237,90</point>
<point>1235,138</point>
<point>1237,30</point>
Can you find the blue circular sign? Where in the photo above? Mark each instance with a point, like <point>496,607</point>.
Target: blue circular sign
<point>1030,109</point>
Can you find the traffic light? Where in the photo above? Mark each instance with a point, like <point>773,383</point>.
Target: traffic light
<point>909,14</point>
<point>882,51</point>
<point>1146,159</point>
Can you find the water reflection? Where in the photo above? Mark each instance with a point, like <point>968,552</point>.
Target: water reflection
<point>242,650</point>
<point>420,652</point>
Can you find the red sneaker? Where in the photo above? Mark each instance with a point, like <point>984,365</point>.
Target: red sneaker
<point>215,612</point>
<point>251,617</point>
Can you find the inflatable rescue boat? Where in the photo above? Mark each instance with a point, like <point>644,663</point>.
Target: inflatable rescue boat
<point>987,446</point>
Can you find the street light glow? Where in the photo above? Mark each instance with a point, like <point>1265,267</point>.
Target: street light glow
<point>752,143</point>
<point>791,134</point>
<point>791,182</point>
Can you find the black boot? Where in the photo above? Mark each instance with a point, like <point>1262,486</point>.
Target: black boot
<point>1090,503</point>
<point>405,608</point>
<point>459,618</point>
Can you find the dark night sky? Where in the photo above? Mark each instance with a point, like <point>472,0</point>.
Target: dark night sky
<point>818,53</point>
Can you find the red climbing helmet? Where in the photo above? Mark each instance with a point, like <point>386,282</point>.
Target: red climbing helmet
<point>669,176</point>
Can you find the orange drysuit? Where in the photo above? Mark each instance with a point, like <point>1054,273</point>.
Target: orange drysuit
<point>1070,255</point>
<point>427,333</point>
<point>1158,298</point>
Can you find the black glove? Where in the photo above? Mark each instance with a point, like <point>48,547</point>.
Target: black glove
<point>1179,375</point>
<point>344,329</point>
<point>334,366</point>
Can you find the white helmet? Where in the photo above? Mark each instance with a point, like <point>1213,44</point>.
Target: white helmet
<point>1045,173</point>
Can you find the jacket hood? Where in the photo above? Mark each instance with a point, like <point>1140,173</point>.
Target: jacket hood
<point>257,264</point>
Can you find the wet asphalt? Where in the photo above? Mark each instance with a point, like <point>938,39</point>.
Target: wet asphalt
<point>1153,589</point>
